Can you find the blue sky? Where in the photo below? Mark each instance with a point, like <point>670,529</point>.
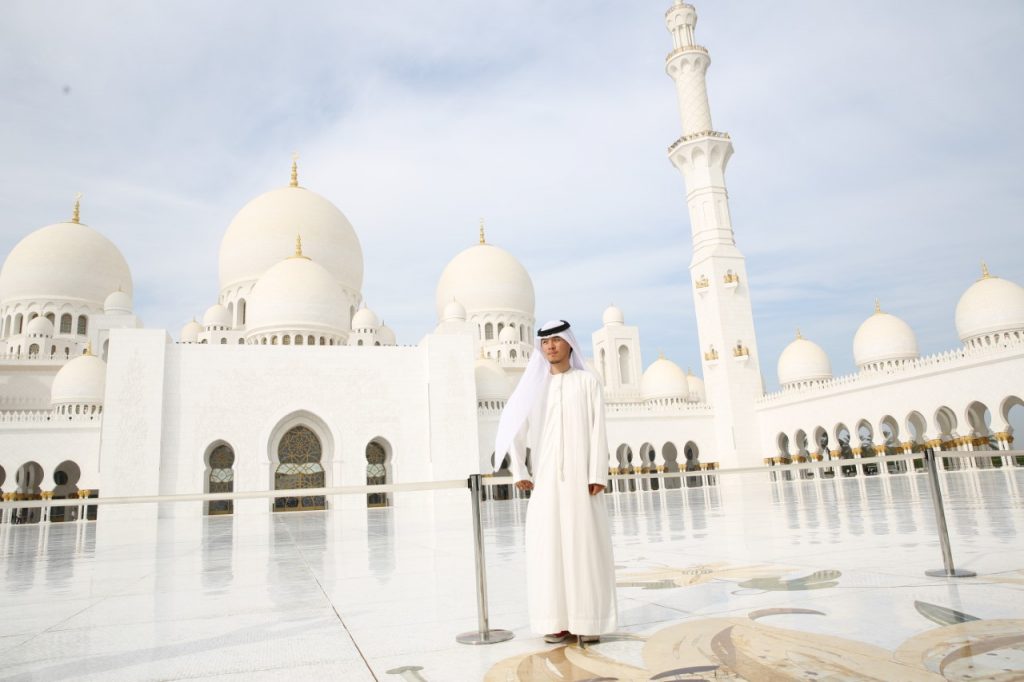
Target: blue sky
<point>878,149</point>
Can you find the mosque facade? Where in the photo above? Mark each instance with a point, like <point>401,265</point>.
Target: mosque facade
<point>289,381</point>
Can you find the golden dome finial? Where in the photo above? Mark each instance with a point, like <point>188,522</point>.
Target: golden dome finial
<point>483,238</point>
<point>689,372</point>
<point>88,348</point>
<point>798,334</point>
<point>661,354</point>
<point>878,306</point>
<point>295,170</point>
<point>984,270</point>
<point>298,248</point>
<point>76,211</point>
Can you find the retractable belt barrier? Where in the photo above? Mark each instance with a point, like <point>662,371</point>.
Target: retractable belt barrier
<point>475,483</point>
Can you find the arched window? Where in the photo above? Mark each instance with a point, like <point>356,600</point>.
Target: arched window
<point>299,454</point>
<point>83,325</point>
<point>377,472</point>
<point>359,342</point>
<point>223,340</point>
<point>65,478</point>
<point>220,478</point>
<point>488,331</point>
<point>624,364</point>
<point>311,341</point>
<point>52,318</point>
<point>65,323</point>
<point>33,350</point>
<point>18,320</point>
<point>299,340</point>
<point>287,340</point>
<point>604,371</point>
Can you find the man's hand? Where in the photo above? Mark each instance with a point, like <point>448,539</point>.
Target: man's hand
<point>524,485</point>
<point>595,488</point>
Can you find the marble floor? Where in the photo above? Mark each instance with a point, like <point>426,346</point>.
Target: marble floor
<point>746,579</point>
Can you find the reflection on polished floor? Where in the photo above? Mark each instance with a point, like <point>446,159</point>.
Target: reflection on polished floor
<point>802,579</point>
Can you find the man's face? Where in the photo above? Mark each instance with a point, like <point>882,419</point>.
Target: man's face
<point>555,349</point>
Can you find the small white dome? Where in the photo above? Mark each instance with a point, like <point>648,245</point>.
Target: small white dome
<point>190,332</point>
<point>485,278</point>
<point>698,394</point>
<point>612,315</point>
<point>803,360</point>
<point>39,326</point>
<point>883,337</point>
<point>266,227</point>
<point>990,305</point>
<point>118,303</point>
<point>508,335</point>
<point>216,316</point>
<point>82,380</point>
<point>386,336</point>
<point>491,381</point>
<point>297,294</point>
<point>64,261</point>
<point>365,319</point>
<point>453,312</point>
<point>664,379</point>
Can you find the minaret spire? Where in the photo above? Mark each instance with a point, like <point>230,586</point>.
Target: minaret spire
<point>76,212</point>
<point>721,291</point>
<point>483,237</point>
<point>295,170</point>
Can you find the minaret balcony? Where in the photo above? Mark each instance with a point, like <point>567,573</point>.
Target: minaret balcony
<point>697,136</point>
<point>684,49</point>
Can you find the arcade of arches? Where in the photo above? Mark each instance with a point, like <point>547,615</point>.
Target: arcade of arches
<point>30,482</point>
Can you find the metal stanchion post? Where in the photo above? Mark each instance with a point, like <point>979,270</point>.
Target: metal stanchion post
<point>483,635</point>
<point>949,571</point>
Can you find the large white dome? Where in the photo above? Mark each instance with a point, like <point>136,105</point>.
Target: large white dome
<point>882,338</point>
<point>485,278</point>
<point>664,379</point>
<point>803,360</point>
<point>82,380</point>
<point>990,305</point>
<point>64,261</point>
<point>491,381</point>
<point>266,227</point>
<point>297,294</point>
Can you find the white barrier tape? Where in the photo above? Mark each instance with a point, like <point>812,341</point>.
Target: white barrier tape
<point>242,495</point>
<point>491,480</point>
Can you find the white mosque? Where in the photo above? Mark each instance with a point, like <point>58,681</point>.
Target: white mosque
<point>289,381</point>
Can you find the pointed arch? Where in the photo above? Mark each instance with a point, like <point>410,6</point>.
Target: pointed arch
<point>300,449</point>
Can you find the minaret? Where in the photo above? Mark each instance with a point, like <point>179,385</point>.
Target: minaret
<point>721,288</point>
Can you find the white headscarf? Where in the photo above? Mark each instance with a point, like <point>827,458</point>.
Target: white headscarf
<point>532,385</point>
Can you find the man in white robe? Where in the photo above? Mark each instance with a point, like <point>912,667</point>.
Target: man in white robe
<point>558,410</point>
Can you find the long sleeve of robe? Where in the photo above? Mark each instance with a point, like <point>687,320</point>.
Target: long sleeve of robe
<point>570,571</point>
